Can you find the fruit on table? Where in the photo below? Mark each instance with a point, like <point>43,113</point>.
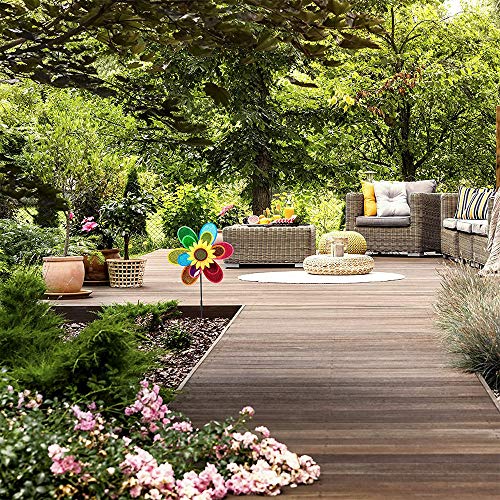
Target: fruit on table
<point>288,212</point>
<point>264,220</point>
<point>253,219</point>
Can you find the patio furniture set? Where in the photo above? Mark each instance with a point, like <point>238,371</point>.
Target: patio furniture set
<point>434,222</point>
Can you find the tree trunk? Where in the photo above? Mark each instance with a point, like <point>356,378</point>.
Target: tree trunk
<point>261,183</point>
<point>408,165</point>
<point>66,238</point>
<point>126,241</point>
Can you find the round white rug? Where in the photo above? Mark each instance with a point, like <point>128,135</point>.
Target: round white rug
<point>297,277</point>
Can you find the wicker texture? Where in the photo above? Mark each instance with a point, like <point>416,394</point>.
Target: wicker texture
<point>270,245</point>
<point>356,242</point>
<point>126,273</point>
<point>422,235</point>
<point>458,245</point>
<point>338,266</point>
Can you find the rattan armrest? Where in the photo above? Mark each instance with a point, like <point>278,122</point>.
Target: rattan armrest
<point>490,208</point>
<point>354,207</point>
<point>449,203</point>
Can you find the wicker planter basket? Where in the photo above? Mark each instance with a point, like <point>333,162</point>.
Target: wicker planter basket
<point>126,273</point>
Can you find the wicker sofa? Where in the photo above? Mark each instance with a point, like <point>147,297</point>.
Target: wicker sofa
<point>466,242</point>
<point>418,233</point>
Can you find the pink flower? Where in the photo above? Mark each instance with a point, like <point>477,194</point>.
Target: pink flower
<point>182,426</point>
<point>225,210</point>
<point>89,226</point>
<point>248,410</point>
<point>62,463</point>
<point>263,430</point>
<point>71,215</point>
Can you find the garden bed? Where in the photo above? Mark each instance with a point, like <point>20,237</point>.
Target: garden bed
<point>176,365</point>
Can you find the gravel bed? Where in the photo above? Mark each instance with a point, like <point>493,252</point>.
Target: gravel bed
<point>175,365</point>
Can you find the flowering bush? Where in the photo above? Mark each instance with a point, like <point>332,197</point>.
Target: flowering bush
<point>154,453</point>
<point>229,215</point>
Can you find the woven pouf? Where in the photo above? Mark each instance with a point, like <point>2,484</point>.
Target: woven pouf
<point>356,242</point>
<point>338,266</point>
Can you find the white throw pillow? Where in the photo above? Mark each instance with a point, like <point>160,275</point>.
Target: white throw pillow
<point>391,199</point>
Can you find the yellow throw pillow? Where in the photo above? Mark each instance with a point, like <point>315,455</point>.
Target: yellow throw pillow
<point>370,204</point>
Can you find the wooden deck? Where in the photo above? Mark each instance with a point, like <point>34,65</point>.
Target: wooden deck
<point>352,375</point>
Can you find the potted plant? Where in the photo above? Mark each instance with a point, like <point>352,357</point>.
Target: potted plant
<point>126,218</point>
<point>65,274</point>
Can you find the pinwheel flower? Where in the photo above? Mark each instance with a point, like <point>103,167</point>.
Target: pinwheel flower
<point>200,254</point>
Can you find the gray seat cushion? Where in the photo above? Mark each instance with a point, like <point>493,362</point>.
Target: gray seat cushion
<point>450,223</point>
<point>395,221</point>
<point>472,226</point>
<point>480,227</point>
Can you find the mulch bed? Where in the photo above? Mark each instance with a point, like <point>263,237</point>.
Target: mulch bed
<point>177,363</point>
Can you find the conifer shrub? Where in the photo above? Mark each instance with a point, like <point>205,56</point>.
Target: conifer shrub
<point>104,358</point>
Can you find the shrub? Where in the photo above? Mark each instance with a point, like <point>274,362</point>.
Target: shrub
<point>188,206</point>
<point>54,450</point>
<point>24,243</point>
<point>105,356</point>
<point>147,316</point>
<point>468,309</point>
<point>177,338</point>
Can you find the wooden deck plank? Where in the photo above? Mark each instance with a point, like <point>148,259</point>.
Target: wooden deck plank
<point>352,374</point>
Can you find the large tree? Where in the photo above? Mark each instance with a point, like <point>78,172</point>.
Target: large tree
<point>423,105</point>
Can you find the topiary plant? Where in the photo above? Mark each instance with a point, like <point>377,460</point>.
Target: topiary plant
<point>127,217</point>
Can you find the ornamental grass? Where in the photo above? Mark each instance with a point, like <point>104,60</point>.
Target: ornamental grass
<point>468,309</point>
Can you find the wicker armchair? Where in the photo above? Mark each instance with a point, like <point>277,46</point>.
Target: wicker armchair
<point>459,245</point>
<point>416,235</point>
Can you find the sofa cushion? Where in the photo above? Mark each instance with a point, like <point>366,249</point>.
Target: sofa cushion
<point>391,199</point>
<point>473,226</point>
<point>427,186</point>
<point>370,204</point>
<point>472,203</point>
<point>450,223</point>
<point>395,221</point>
<point>480,227</point>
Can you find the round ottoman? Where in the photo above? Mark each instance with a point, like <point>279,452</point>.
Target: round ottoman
<point>356,243</point>
<point>338,266</point>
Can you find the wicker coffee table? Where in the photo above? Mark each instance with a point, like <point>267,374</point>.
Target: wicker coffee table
<point>269,244</point>
<point>339,266</point>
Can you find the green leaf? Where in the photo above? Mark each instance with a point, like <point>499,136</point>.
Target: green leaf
<point>219,94</point>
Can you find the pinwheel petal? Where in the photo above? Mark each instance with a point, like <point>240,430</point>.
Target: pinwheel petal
<point>183,259</point>
<point>210,228</point>
<point>173,254</point>
<point>223,250</point>
<point>193,272</point>
<point>187,236</point>
<point>186,277</point>
<point>213,273</point>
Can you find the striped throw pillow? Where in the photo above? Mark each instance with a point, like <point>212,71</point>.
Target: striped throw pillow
<point>473,203</point>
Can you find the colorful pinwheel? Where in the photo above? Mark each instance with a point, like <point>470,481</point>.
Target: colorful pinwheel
<point>199,254</point>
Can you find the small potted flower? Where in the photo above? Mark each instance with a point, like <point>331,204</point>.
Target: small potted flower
<point>126,218</point>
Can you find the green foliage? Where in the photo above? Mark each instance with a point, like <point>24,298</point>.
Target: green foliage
<point>104,358</point>
<point>58,45</point>
<point>127,217</point>
<point>468,309</point>
<point>423,105</point>
<point>177,338</point>
<point>189,206</point>
<point>147,316</point>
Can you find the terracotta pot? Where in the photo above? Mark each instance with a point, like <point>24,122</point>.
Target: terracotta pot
<point>95,268</point>
<point>63,274</point>
<point>111,253</point>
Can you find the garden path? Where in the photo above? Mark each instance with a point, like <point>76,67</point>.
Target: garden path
<point>351,374</point>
